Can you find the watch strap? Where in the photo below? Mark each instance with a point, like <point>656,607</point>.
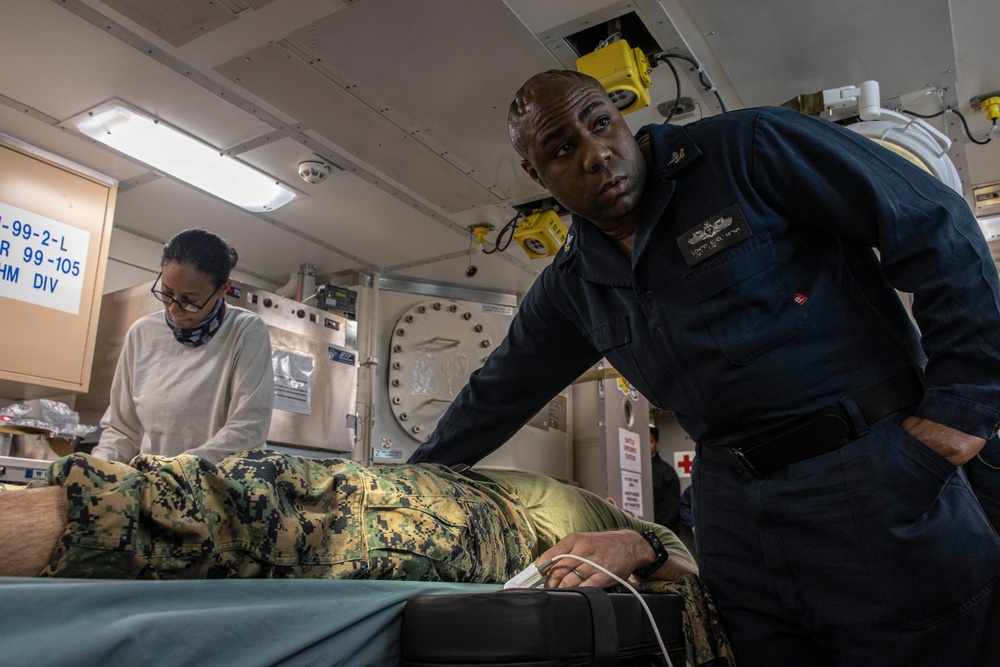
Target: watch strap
<point>661,556</point>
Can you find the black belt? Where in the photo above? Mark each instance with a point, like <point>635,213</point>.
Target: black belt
<point>824,431</point>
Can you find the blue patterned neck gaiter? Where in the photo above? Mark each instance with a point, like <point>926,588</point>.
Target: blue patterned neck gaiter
<point>202,332</point>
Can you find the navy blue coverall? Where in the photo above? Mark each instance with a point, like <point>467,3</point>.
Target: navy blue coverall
<point>876,553</point>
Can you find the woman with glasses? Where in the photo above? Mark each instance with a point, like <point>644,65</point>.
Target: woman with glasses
<point>196,378</point>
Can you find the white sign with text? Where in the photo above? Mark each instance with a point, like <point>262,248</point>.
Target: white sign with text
<point>42,261</point>
<point>629,448</point>
<point>632,493</point>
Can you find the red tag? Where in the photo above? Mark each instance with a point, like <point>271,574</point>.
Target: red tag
<point>801,299</point>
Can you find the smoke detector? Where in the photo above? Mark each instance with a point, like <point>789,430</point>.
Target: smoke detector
<point>313,171</point>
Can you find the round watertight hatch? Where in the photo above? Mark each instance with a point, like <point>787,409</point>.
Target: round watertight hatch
<point>434,347</point>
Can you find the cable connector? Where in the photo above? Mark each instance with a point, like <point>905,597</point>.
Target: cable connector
<point>529,577</point>
<point>991,105</point>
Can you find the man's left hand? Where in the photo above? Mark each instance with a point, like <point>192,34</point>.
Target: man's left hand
<point>619,551</point>
<point>956,446</point>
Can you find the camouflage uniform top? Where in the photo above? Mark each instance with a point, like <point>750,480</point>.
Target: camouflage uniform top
<point>271,515</point>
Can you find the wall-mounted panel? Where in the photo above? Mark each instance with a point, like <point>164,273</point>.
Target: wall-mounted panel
<point>55,224</point>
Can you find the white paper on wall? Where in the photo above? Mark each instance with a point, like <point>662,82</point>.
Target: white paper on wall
<point>293,377</point>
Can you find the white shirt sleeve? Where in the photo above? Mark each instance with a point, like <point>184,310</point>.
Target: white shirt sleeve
<point>122,434</point>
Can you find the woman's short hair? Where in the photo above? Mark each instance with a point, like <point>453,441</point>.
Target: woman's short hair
<point>206,252</point>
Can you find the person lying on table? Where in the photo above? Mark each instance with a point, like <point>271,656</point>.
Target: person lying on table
<point>260,514</point>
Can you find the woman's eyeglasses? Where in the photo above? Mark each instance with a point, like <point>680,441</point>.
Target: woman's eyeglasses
<point>185,305</point>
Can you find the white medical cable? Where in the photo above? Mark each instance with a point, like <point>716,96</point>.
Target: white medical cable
<point>649,614</point>
<point>983,461</point>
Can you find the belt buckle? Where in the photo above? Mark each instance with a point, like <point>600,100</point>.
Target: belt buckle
<point>745,462</point>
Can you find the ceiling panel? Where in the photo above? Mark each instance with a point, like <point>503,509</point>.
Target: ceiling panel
<point>177,21</point>
<point>447,68</point>
<point>979,73</point>
<point>776,50</point>
<point>81,66</point>
<point>164,207</point>
<point>271,23</point>
<point>289,83</point>
<point>410,97</point>
<point>544,16</point>
<point>352,214</point>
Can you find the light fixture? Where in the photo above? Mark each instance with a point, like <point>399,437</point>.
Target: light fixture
<point>168,150</point>
<point>911,138</point>
<point>479,231</point>
<point>541,234</point>
<point>623,71</point>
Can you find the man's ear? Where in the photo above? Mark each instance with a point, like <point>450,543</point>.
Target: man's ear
<point>531,172</point>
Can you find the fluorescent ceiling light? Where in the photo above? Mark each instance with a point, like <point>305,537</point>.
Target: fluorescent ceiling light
<point>177,154</point>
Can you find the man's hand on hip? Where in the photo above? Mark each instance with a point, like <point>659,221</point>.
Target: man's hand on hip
<point>956,446</point>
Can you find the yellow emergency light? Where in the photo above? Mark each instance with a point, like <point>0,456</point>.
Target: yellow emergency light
<point>541,234</point>
<point>624,72</point>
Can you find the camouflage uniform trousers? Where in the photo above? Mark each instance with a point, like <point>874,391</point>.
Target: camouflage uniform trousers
<point>271,515</point>
<point>706,642</point>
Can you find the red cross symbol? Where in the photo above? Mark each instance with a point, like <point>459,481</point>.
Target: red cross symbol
<point>685,464</point>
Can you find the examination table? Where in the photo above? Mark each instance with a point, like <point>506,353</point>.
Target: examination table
<point>247,622</point>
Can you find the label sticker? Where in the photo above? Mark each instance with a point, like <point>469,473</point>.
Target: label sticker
<point>293,378</point>
<point>498,310</point>
<point>342,356</point>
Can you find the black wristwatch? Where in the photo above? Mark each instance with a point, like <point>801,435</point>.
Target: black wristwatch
<point>661,556</point>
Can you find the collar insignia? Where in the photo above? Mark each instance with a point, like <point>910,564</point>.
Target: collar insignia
<point>569,239</point>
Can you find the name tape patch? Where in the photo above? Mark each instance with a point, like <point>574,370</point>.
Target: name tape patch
<point>721,231</point>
